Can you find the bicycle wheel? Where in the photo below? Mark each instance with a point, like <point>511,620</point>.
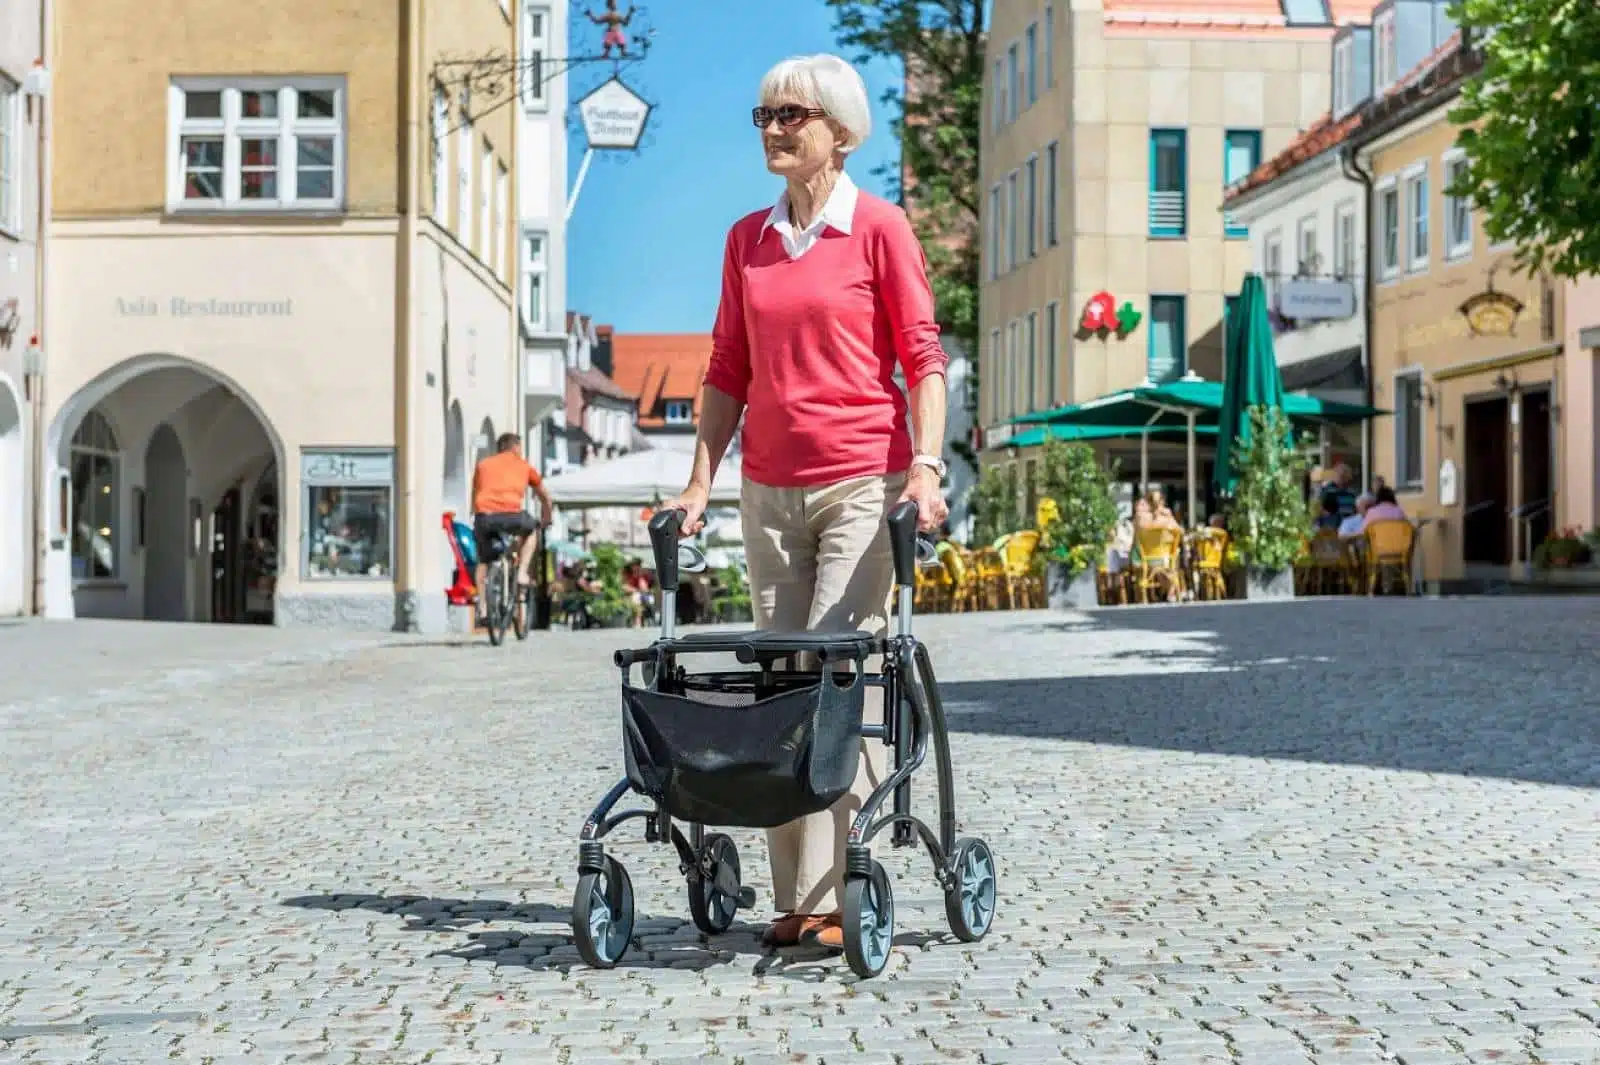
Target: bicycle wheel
<point>522,602</point>
<point>495,603</point>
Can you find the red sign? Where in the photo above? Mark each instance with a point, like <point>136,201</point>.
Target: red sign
<point>1100,314</point>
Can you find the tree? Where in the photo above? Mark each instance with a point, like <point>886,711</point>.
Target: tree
<point>1079,487</point>
<point>940,44</point>
<point>1529,129</point>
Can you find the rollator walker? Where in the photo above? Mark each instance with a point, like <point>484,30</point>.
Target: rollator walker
<point>760,747</point>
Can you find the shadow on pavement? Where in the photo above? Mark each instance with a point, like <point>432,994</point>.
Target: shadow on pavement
<point>1334,682</point>
<point>658,943</point>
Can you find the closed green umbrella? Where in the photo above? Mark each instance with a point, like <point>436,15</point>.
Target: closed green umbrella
<point>1250,378</point>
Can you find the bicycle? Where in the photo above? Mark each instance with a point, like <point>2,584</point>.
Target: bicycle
<point>503,606</point>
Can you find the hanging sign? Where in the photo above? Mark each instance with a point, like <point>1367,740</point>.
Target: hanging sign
<point>614,116</point>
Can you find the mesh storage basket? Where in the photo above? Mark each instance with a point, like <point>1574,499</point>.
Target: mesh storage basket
<point>743,749</point>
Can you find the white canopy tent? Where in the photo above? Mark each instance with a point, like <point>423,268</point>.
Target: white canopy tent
<point>640,479</point>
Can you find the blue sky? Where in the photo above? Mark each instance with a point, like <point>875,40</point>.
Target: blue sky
<point>644,248</point>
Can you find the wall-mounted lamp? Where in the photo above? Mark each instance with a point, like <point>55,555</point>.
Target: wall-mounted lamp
<point>1508,383</point>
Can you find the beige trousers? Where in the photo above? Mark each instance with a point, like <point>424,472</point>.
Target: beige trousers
<point>819,559</point>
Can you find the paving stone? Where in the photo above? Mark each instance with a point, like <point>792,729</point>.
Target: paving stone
<point>1324,832</point>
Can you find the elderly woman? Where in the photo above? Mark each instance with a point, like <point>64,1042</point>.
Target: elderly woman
<point>824,293</point>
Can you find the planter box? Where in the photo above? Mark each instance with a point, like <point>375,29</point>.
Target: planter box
<point>1070,593</point>
<point>1263,584</point>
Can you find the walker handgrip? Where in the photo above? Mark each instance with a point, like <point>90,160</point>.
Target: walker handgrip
<point>665,527</point>
<point>903,542</point>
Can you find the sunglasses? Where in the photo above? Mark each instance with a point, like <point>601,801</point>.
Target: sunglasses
<point>788,116</point>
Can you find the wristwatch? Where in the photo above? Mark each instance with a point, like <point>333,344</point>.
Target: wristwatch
<point>933,462</point>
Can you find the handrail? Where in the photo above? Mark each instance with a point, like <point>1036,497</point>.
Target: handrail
<point>1478,508</point>
<point>1530,510</point>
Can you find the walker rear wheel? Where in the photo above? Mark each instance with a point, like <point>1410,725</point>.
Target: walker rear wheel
<point>969,906</point>
<point>868,920</point>
<point>712,908</point>
<point>602,915</point>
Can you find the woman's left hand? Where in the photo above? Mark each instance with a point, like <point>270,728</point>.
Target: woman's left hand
<point>922,488</point>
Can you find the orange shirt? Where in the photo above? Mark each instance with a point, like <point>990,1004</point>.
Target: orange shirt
<point>501,482</point>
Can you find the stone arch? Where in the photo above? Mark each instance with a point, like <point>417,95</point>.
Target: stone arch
<point>14,515</point>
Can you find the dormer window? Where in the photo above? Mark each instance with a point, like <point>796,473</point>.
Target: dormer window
<point>1344,76</point>
<point>1305,12</point>
<point>1385,61</point>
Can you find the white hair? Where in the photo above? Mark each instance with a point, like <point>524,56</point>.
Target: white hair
<point>826,82</point>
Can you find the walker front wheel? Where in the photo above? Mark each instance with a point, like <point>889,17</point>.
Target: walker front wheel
<point>711,906</point>
<point>602,915</point>
<point>969,905</point>
<point>868,921</point>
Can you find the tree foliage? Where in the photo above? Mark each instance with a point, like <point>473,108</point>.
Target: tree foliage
<point>1267,519</point>
<point>1084,513</point>
<point>996,504</point>
<point>1529,123</point>
<point>940,44</point>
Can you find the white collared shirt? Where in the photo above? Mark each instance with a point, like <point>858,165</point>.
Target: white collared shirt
<point>839,212</point>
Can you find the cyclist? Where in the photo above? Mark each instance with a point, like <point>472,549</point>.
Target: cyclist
<point>499,486</point>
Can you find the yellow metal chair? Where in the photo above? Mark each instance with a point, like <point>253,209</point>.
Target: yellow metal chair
<point>1389,546</point>
<point>1020,579</point>
<point>1210,553</point>
<point>989,571</point>
<point>1327,568</point>
<point>1156,557</point>
<point>963,594</point>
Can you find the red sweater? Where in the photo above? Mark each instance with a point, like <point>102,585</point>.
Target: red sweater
<point>809,345</point>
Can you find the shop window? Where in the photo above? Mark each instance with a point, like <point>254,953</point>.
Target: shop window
<point>96,464</point>
<point>349,506</point>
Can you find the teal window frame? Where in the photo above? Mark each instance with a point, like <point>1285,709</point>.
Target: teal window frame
<point>1165,228</point>
<point>1182,367</point>
<point>1252,137</point>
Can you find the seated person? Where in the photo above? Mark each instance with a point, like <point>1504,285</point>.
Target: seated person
<point>636,586</point>
<point>1328,518</point>
<point>1162,514</point>
<point>1351,526</point>
<point>1386,508</point>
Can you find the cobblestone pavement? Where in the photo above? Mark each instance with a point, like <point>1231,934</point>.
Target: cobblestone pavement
<point>1332,832</point>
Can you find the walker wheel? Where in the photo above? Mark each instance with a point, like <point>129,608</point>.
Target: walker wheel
<point>602,915</point>
<point>868,922</point>
<point>969,906</point>
<point>713,909</point>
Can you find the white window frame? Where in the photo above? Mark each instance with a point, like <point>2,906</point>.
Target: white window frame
<point>466,152</point>
<point>1030,54</point>
<point>232,129</point>
<point>1013,214</point>
<point>1272,265</point>
<point>1030,197</point>
<point>1052,202</point>
<point>1345,250</point>
<point>1014,79</point>
<point>1402,483</point>
<point>1305,231</point>
<point>1013,348</point>
<point>1052,352</point>
<point>1344,73</point>
<point>441,154</point>
<point>10,157</point>
<point>678,412</point>
<point>997,368</point>
<point>535,46</point>
<point>1030,376</point>
<point>999,95</point>
<point>486,201</point>
<point>1384,58</point>
<point>530,268</point>
<point>996,228</point>
<point>1411,178</point>
<point>1049,46</point>
<point>1382,266</point>
<point>502,218</point>
<point>1454,250</point>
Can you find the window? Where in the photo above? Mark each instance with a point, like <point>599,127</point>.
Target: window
<point>679,412</point>
<point>348,501</point>
<point>1457,209</point>
<point>465,147</point>
<point>1304,12</point>
<point>1241,155</point>
<point>502,208</point>
<point>1344,241</point>
<point>256,145</point>
<point>1305,243</point>
<point>534,296</point>
<point>1052,353</point>
<point>1344,76</point>
<point>1168,183</point>
<point>1000,104</point>
<point>1012,347</point>
<point>1384,59</point>
<point>1388,230</point>
<point>1049,46</point>
<point>1272,266</point>
<point>1013,215</point>
<point>1052,213</point>
<point>996,227</point>
<point>10,156</point>
<point>535,46</point>
<point>1013,83</point>
<point>486,201</point>
<point>441,151</point>
<point>96,474</point>
<point>1417,219</point>
<point>1167,356</point>
<point>1030,352</point>
<point>996,367</point>
<point>1031,216</point>
<point>1033,63</point>
<point>1408,429</point>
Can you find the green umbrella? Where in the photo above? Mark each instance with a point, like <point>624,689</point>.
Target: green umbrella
<point>1038,434</point>
<point>1250,378</point>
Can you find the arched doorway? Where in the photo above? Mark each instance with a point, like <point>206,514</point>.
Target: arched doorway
<point>485,440</point>
<point>455,462</point>
<point>161,460</point>
<point>13,511</point>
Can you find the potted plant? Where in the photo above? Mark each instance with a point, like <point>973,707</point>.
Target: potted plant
<point>1268,517</point>
<point>610,606</point>
<point>1563,549</point>
<point>732,601</point>
<point>1075,516</point>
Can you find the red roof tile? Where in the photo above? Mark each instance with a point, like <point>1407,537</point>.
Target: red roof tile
<point>659,367</point>
<point>1208,17</point>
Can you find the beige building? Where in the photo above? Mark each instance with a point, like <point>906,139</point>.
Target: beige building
<point>1490,374</point>
<point>1111,130</point>
<point>282,315</point>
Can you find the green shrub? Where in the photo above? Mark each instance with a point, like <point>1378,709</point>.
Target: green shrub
<point>1267,519</point>
<point>1076,528</point>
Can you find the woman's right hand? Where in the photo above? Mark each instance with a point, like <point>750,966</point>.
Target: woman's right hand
<point>692,502</point>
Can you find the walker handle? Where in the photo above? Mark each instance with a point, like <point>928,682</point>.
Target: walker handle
<point>903,542</point>
<point>665,527</point>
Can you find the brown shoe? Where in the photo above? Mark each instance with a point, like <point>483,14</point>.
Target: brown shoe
<point>826,930</point>
<point>785,931</point>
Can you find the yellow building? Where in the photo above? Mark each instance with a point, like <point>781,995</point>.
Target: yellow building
<point>281,311</point>
<point>1470,354</point>
<point>1111,129</point>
